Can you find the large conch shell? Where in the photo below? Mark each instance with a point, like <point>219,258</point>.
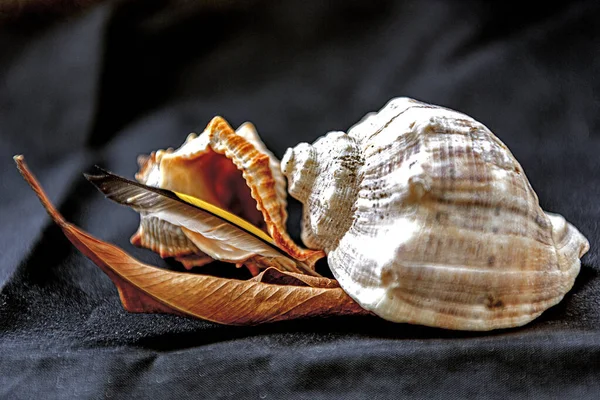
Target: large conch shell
<point>232,170</point>
<point>427,218</point>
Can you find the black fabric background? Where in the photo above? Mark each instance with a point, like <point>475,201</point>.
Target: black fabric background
<point>106,84</point>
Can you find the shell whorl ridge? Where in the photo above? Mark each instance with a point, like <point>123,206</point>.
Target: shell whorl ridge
<point>427,218</point>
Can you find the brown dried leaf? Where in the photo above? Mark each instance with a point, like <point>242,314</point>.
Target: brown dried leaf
<point>271,296</point>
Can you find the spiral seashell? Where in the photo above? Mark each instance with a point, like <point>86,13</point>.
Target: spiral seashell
<point>232,170</point>
<point>427,218</point>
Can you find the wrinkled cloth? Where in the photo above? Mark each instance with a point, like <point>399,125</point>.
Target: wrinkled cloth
<point>109,82</point>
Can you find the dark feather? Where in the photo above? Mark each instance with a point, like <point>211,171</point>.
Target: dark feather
<point>165,204</point>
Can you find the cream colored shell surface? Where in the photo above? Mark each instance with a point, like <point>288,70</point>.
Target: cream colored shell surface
<point>427,218</point>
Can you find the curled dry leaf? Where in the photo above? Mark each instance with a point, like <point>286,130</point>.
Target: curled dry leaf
<point>270,296</point>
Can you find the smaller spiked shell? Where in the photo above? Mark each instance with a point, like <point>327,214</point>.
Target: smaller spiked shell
<point>232,170</point>
<point>427,218</point>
